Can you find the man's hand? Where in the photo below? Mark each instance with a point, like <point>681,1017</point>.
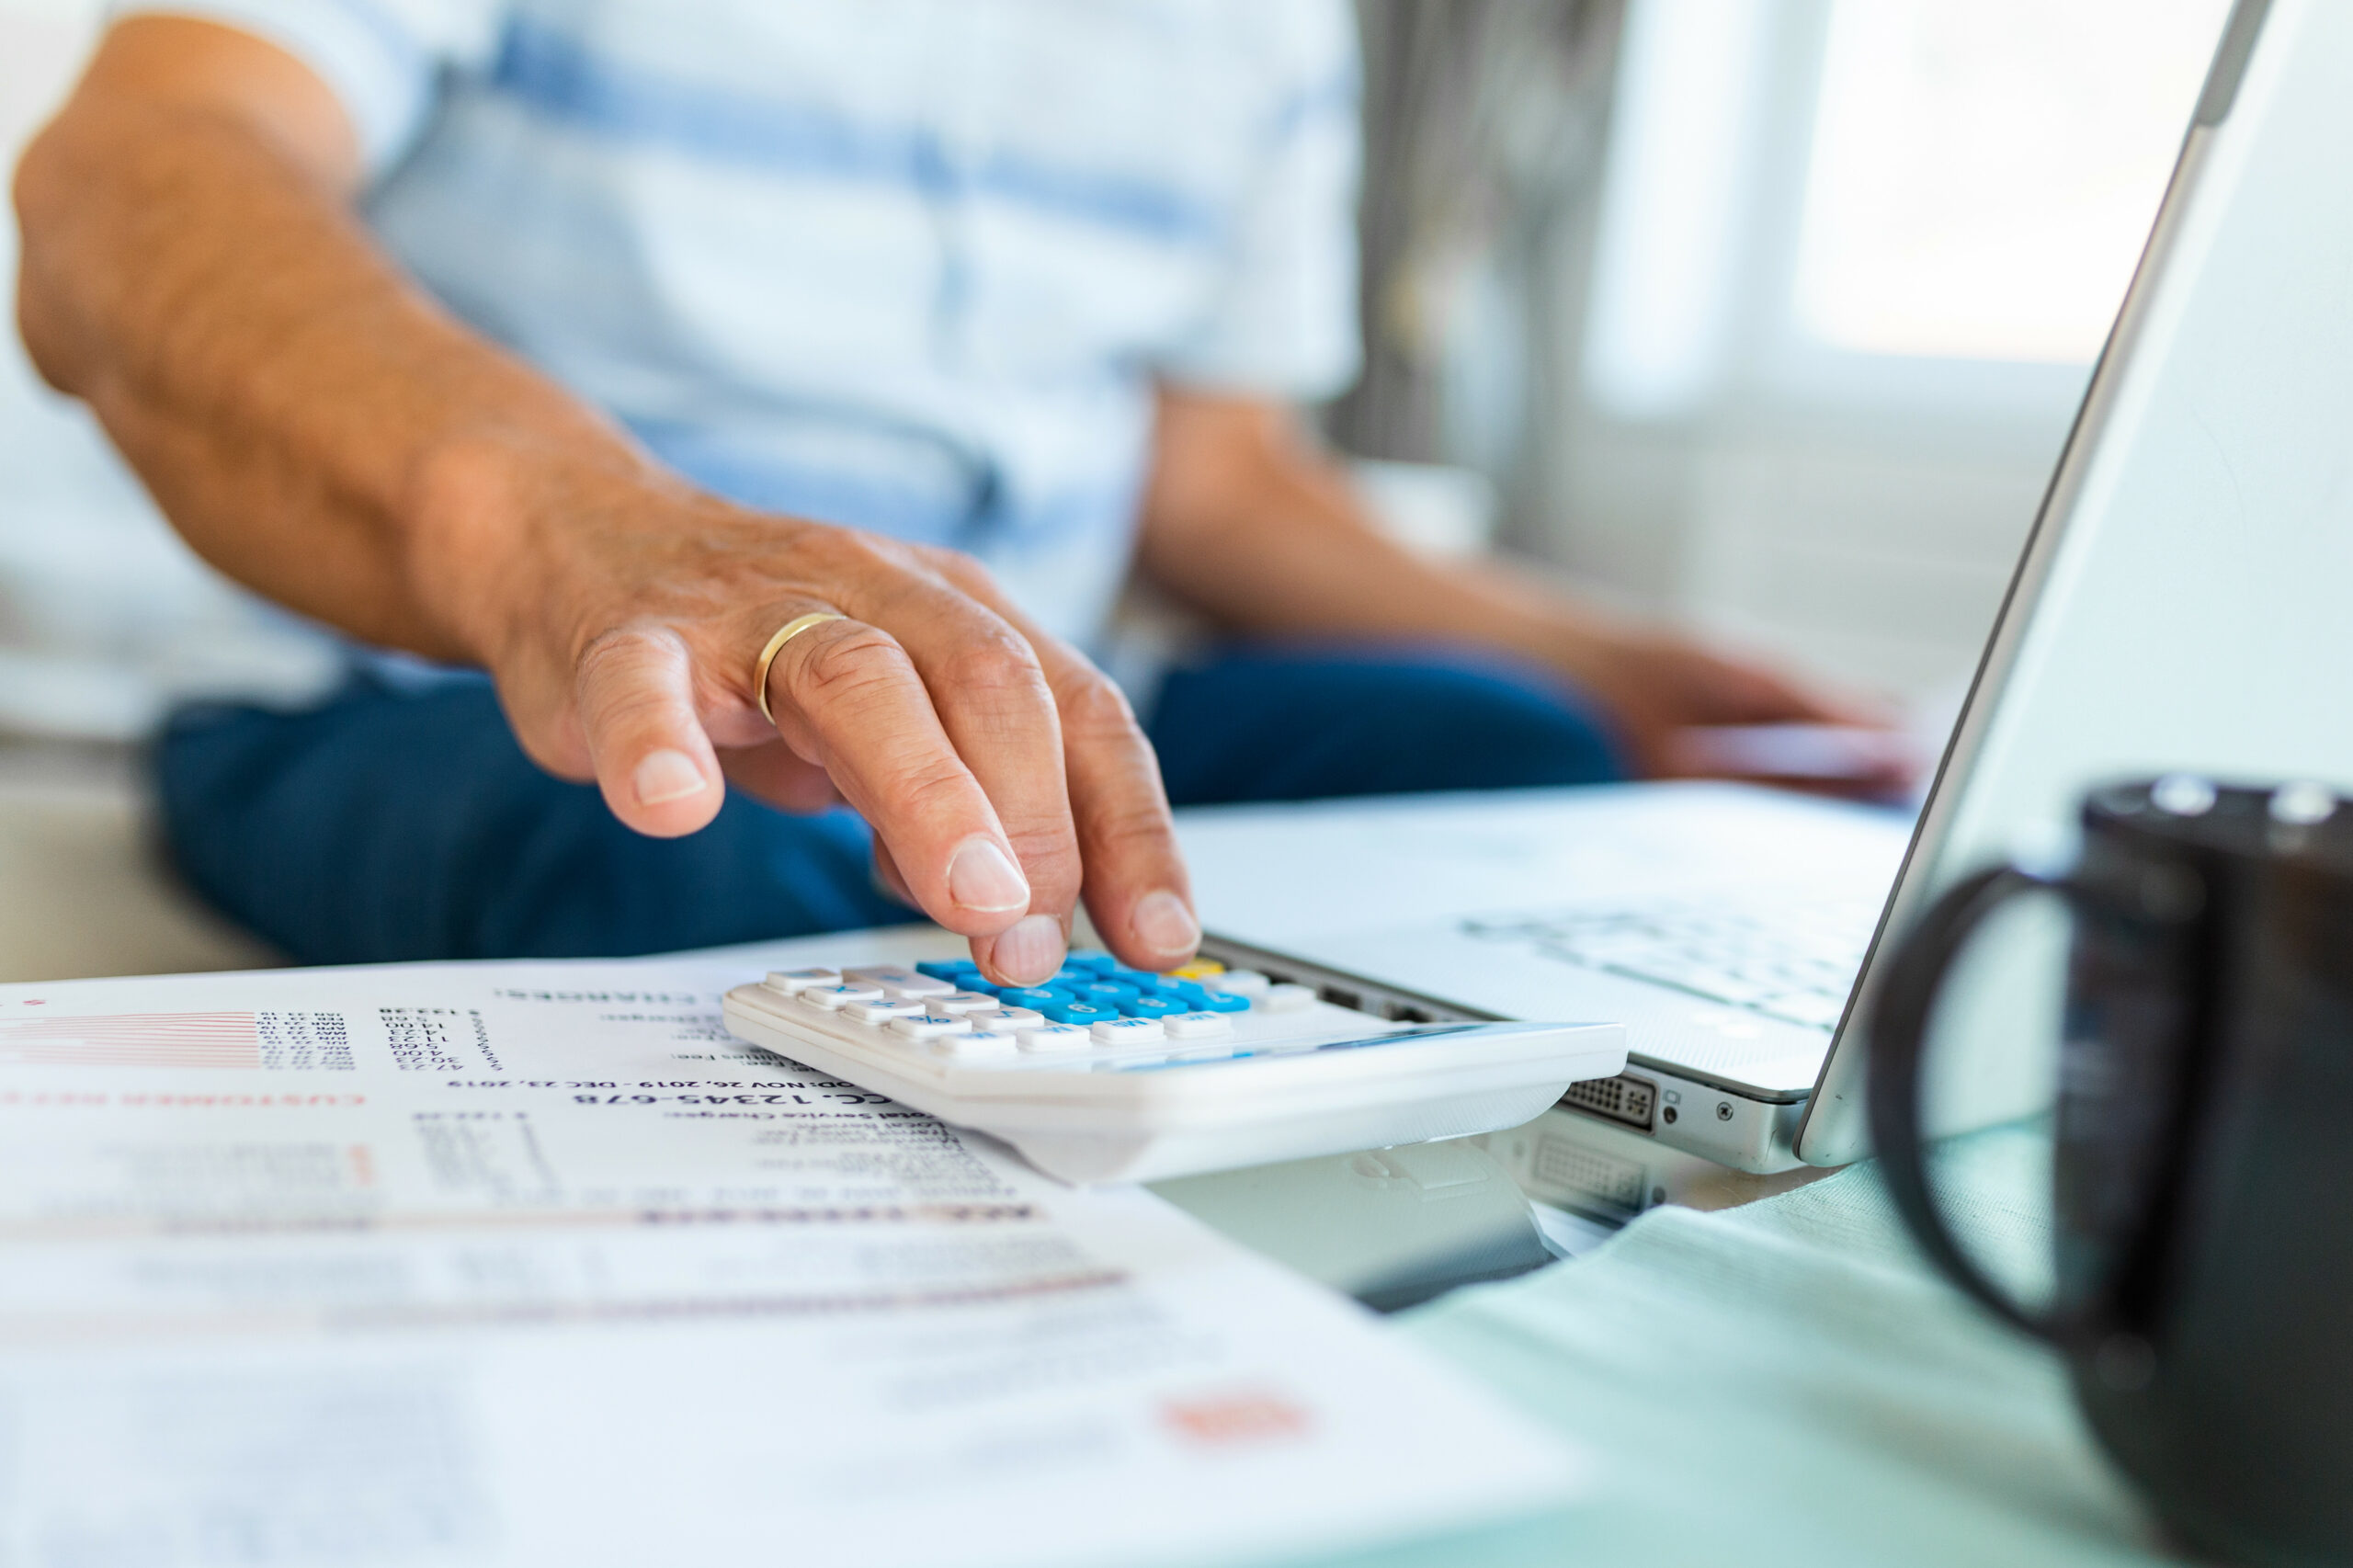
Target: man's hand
<point>318,428</point>
<point>1688,712</point>
<point>1244,521</point>
<point>1005,776</point>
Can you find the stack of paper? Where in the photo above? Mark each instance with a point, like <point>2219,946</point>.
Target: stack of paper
<point>533,1263</point>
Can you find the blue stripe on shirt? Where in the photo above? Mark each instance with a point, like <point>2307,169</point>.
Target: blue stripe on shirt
<point>560,79</point>
<point>854,501</point>
<point>973,517</point>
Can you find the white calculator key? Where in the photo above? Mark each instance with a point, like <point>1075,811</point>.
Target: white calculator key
<point>1048,1037</point>
<point>1128,1031</point>
<point>830,997</point>
<point>1238,982</point>
<point>1286,998</point>
<point>931,1026</point>
<point>893,978</point>
<point>964,1002</point>
<point>975,1045</point>
<point>1016,1019</point>
<point>879,1012</point>
<point>1197,1025</point>
<point>793,981</point>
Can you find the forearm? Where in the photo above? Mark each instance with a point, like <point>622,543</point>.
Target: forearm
<point>299,410</point>
<point>1246,525</point>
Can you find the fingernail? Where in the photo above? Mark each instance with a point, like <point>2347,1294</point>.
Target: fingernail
<point>1030,951</point>
<point>666,776</point>
<point>1164,924</point>
<point>982,878</point>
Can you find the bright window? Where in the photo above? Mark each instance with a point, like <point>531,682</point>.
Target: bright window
<point>1982,173</point>
<point>1861,204</point>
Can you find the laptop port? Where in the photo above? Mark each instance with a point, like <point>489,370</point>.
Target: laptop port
<point>1582,1178</point>
<point>1625,1099</point>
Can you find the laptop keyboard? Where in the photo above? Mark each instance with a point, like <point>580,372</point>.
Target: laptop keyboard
<point>1797,964</point>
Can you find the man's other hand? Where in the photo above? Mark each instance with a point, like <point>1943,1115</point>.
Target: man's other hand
<point>1688,712</point>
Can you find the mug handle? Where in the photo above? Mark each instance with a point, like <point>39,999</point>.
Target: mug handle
<point>1899,1028</point>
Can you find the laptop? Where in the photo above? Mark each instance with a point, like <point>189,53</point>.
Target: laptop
<point>2184,604</point>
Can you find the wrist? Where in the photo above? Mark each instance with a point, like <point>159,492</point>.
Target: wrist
<point>1583,647</point>
<point>465,533</point>
<point>485,514</point>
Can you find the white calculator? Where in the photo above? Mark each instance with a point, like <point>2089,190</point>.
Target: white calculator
<point>1108,1074</point>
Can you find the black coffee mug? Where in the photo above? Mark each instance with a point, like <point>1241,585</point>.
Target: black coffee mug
<point>2203,1172</point>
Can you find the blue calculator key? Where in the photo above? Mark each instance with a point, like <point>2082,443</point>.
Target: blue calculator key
<point>1034,997</point>
<point>1108,992</point>
<point>1152,1007</point>
<point>1070,1010</point>
<point>1142,979</point>
<point>1223,1002</point>
<point>1070,977</point>
<point>947,969</point>
<point>1190,991</point>
<point>1090,958</point>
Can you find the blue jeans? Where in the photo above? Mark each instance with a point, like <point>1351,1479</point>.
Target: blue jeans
<point>393,824</point>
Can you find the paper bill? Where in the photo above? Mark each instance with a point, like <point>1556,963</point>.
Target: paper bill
<point>535,1263</point>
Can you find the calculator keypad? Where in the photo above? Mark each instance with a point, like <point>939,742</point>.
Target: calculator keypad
<point>1093,1009</point>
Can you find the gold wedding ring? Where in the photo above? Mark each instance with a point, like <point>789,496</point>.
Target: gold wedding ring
<point>785,634</point>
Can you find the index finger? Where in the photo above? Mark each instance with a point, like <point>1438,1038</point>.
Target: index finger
<point>997,709</point>
<point>845,696</point>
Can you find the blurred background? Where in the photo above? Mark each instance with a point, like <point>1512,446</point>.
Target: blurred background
<point>1767,316</point>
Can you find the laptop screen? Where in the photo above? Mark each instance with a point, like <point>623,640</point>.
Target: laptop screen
<point>2183,602</point>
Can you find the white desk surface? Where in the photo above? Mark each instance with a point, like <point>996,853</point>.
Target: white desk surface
<point>1778,1382</point>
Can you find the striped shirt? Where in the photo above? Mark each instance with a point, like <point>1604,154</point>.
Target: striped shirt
<point>908,264</point>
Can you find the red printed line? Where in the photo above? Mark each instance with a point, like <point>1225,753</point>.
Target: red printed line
<point>133,1039</point>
